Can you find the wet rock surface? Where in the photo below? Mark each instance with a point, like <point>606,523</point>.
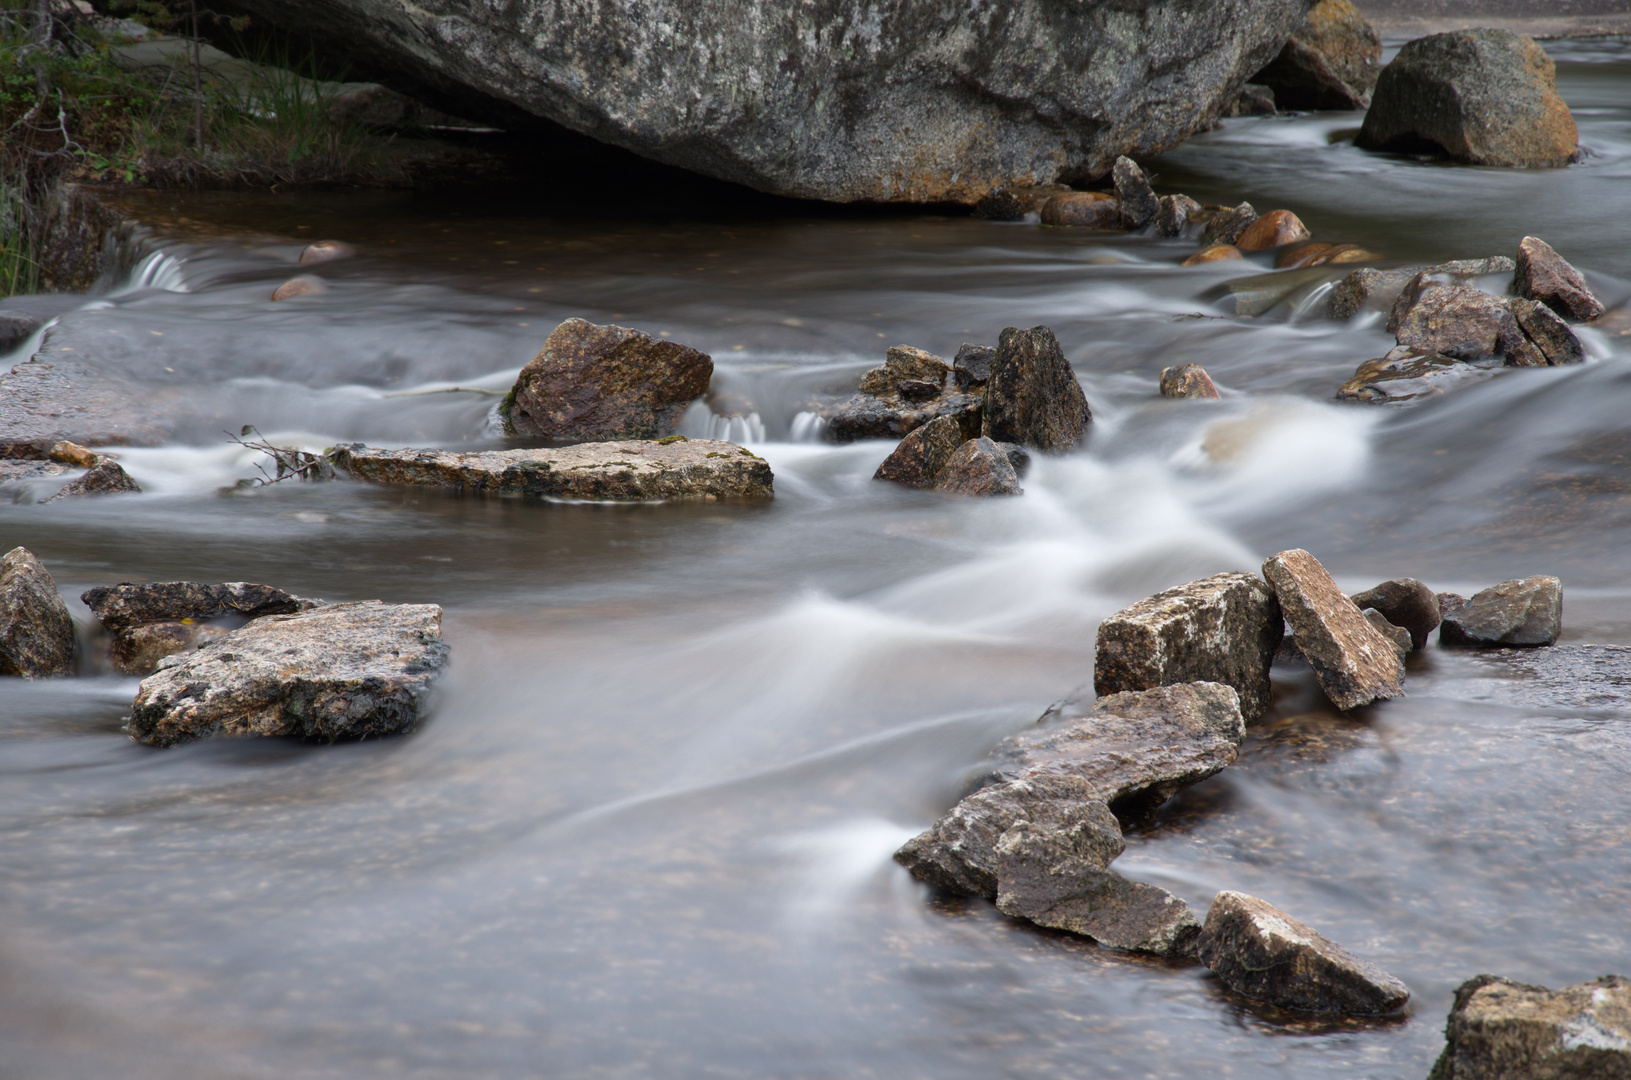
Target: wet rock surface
<point>894,415</point>
<point>1226,225</point>
<point>1139,205</point>
<point>1213,253</point>
<point>1397,636</point>
<point>1257,950</point>
<point>922,455</point>
<point>1276,228</point>
<point>605,382</point>
<point>979,467</point>
<point>675,468</point>
<point>340,671</point>
<point>1187,381</point>
<point>1548,333</point>
<point>904,364</point>
<point>17,327</point>
<point>1406,375</point>
<point>1525,613</point>
<point>104,478</point>
<point>1174,213</point>
<point>1082,210</point>
<point>1499,1029</point>
<point>972,365</point>
<point>1484,96</point>
<point>1016,203</point>
<point>1377,290</point>
<point>1033,397</point>
<point>147,622</point>
<point>1457,321</point>
<point>1331,61</point>
<point>1562,677</point>
<point>1354,664</point>
<point>36,631</point>
<point>1221,629</point>
<point>1404,602</point>
<point>1543,275</point>
<point>1036,884</point>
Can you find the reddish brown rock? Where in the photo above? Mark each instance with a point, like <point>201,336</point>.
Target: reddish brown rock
<point>1331,61</point>
<point>1221,629</point>
<point>605,382</point>
<point>1298,255</point>
<point>1504,1030</point>
<point>1274,229</point>
<point>1032,397</point>
<point>36,631</point>
<point>921,456</point>
<point>1082,209</point>
<point>1524,613</point>
<point>1354,664</point>
<point>1543,275</point>
<point>1014,203</point>
<point>1404,602</point>
<point>1397,636</point>
<point>1187,381</point>
<point>1213,253</point>
<point>979,467</point>
<point>1548,333</point>
<point>1260,951</point>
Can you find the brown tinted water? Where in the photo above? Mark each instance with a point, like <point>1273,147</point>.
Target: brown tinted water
<point>647,829</point>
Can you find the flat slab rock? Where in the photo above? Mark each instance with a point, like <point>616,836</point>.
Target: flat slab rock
<point>1260,951</point>
<point>1504,1030</point>
<point>341,671</point>
<point>1353,662</point>
<point>608,471</point>
<point>1074,896</point>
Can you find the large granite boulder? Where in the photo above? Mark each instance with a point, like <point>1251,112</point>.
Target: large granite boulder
<point>341,671</point>
<point>1526,613</point>
<point>897,100</point>
<point>593,382</point>
<point>1354,664</point>
<point>1483,96</point>
<point>1330,62</point>
<point>1032,397</point>
<point>36,631</point>
<point>1504,1030</point>
<point>148,622</point>
<point>1222,629</point>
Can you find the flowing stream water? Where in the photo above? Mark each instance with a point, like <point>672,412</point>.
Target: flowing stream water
<point>647,829</point>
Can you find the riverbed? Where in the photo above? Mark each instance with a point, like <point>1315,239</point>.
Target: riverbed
<point>647,829</point>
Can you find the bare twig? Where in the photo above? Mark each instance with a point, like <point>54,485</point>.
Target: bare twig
<point>290,462</point>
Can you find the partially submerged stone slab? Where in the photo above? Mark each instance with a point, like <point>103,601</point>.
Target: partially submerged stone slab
<point>36,631</point>
<point>1525,613</point>
<point>1499,1029</point>
<point>1354,664</point>
<point>666,469</point>
<point>1262,952</point>
<point>1033,883</point>
<point>341,671</point>
<point>1406,375</point>
<point>1222,629</point>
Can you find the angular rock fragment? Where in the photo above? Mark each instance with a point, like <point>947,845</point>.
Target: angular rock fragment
<point>1220,629</point>
<point>1448,602</point>
<point>971,367</point>
<point>1403,602</point>
<point>1035,882</point>
<point>70,453</point>
<point>593,382</point>
<point>1547,332</point>
<point>1397,636</point>
<point>922,454</point>
<point>1033,397</point>
<point>341,671</point>
<point>1483,96</point>
<point>1331,61</point>
<point>1262,952</point>
<point>1274,229</point>
<point>36,631</point>
<point>1406,375</point>
<point>672,468</point>
<point>1174,214</point>
<point>893,416</point>
<point>1187,381</point>
<point>1523,613</point>
<point>979,467</point>
<point>1082,210</point>
<point>901,364</point>
<point>148,622</point>
<point>959,853</point>
<point>104,478</point>
<point>1543,275</point>
<point>1354,664</point>
<point>1138,202</point>
<point>1225,226</point>
<point>1504,1030</point>
<point>1136,749</point>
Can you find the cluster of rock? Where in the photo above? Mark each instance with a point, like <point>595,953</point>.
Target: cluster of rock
<point>1449,331</point>
<point>89,472</point>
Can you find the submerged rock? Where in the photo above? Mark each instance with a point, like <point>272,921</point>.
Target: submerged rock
<point>1484,96</point>
<point>904,394</point>
<point>322,251</point>
<point>340,671</point>
<point>1406,375</point>
<point>1033,398</point>
<point>673,468</point>
<point>1213,253</point>
<point>300,285</point>
<point>922,455</point>
<point>979,467</point>
<point>1262,952</point>
<point>1226,225</point>
<point>1082,209</point>
<point>36,631</point>
<point>1331,61</point>
<point>1526,613</point>
<point>1174,213</point>
<point>1354,664</point>
<point>104,478</point>
<point>593,382</point>
<point>1139,205</point>
<point>1274,229</point>
<point>1504,1030</point>
<point>1543,275</point>
<point>1035,883</point>
<point>1404,602</point>
<point>1548,333</point>
<point>1220,629</point>
<point>148,622</point>
<point>1187,381</point>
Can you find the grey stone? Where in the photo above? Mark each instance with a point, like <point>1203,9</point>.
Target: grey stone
<point>1483,96</point>
<point>672,468</point>
<point>1257,950</point>
<point>972,365</point>
<point>1033,397</point>
<point>1138,203</point>
<point>867,416</point>
<point>36,631</point>
<point>1174,215</point>
<point>1397,636</point>
<point>1448,602</point>
<point>1135,749</point>
<point>922,454</point>
<point>1034,882</point>
<point>1525,613</point>
<point>148,622</point>
<point>1504,1030</point>
<point>1366,288</point>
<point>1331,61</point>
<point>1457,321</point>
<point>1542,274</point>
<point>903,363</point>
<point>1408,375</point>
<point>1221,629</point>
<point>1187,381</point>
<point>593,382</point>
<point>979,467</point>
<point>1404,602</point>
<point>1225,226</point>
<point>1547,332</point>
<point>103,478</point>
<point>1354,664</point>
<point>341,671</point>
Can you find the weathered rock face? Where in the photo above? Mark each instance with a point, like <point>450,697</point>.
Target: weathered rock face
<point>907,392</point>
<point>1138,202</point>
<point>1543,275</point>
<point>1377,290</point>
<point>1221,629</point>
<point>1174,214</point>
<point>904,100</point>
<point>1187,381</point>
<point>1225,226</point>
<point>1525,613</point>
<point>972,365</point>
<point>979,467</point>
<point>1549,334</point>
<point>1260,951</point>
<point>1405,375</point>
<point>1403,602</point>
<point>1354,664</point>
<point>341,671</point>
<point>1331,61</point>
<point>904,364</point>
<point>1274,229</point>
<point>1456,321</point>
<point>922,454</point>
<point>103,478</point>
<point>1504,1030</point>
<point>605,382</point>
<point>151,621</point>
<point>1397,636</point>
<point>1253,99</point>
<point>1033,397</point>
<point>1485,96</point>
<point>36,631</point>
<point>1136,749</point>
<point>1082,210</point>
<point>673,468</point>
<point>1035,883</point>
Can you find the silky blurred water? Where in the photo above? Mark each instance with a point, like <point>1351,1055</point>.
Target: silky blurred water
<point>647,829</point>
